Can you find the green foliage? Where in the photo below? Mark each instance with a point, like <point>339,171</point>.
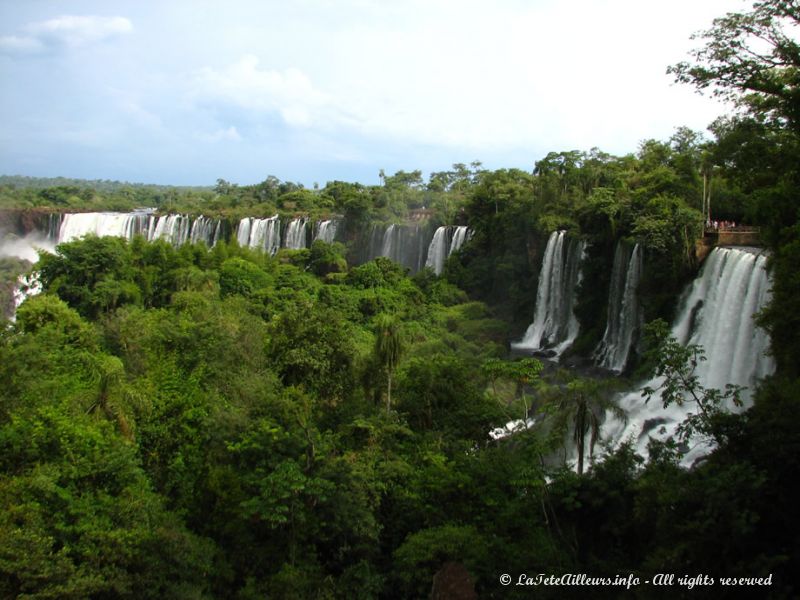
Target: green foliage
<point>496,264</point>
<point>77,518</point>
<point>312,347</point>
<point>10,270</point>
<point>579,408</point>
<point>47,311</point>
<point>442,394</point>
<point>424,552</point>
<point>91,276</point>
<point>298,200</point>
<point>438,290</point>
<point>327,258</point>
<point>239,276</point>
<point>752,59</point>
<point>676,364</point>
<point>389,347</point>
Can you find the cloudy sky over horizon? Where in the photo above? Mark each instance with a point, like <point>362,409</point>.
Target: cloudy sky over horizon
<point>188,91</point>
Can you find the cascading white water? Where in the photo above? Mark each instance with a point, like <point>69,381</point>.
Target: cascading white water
<point>388,245</point>
<point>265,234</point>
<point>460,235</point>
<point>326,231</point>
<point>554,324</point>
<point>243,231</point>
<point>446,240</point>
<point>404,244</point>
<point>296,234</point>
<point>217,232</point>
<point>716,313</point>
<point>175,229</point>
<point>260,234</point>
<point>170,228</point>
<point>76,225</point>
<point>205,230</point>
<point>624,313</point>
<point>438,250</point>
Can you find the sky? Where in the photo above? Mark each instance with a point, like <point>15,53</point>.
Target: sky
<point>188,91</point>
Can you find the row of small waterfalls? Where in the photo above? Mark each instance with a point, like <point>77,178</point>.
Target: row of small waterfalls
<point>261,234</point>
<point>410,245</point>
<point>715,311</point>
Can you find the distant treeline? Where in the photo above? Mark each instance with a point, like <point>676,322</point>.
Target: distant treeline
<point>23,182</point>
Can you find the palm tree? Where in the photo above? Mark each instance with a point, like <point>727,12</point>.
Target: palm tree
<point>581,406</point>
<point>388,348</point>
<point>109,396</point>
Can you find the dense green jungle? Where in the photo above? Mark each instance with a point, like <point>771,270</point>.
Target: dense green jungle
<point>195,422</point>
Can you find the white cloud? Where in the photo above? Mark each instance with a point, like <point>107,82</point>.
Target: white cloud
<point>68,31</point>
<point>230,134</point>
<point>243,84</point>
<point>140,116</point>
<point>516,75</point>
<point>15,44</point>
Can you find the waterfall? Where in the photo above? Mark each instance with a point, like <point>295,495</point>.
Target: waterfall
<point>438,250</point>
<point>25,248</point>
<point>446,240</point>
<point>554,325</point>
<point>326,231</point>
<point>260,234</point>
<point>205,230</point>
<point>171,228</point>
<point>296,234</point>
<point>217,232</point>
<point>77,225</point>
<point>54,221</point>
<point>372,248</point>
<point>404,244</point>
<point>717,313</point>
<point>624,314</point>
<point>175,229</point>
<point>460,235</point>
<point>388,244</point>
<point>243,232</point>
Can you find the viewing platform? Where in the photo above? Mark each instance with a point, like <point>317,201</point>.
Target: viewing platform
<point>739,235</point>
<point>420,214</point>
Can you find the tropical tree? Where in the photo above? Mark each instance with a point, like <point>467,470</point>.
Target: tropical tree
<point>753,59</point>
<point>388,349</point>
<point>675,365</point>
<point>522,372</point>
<point>109,395</point>
<point>581,406</point>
